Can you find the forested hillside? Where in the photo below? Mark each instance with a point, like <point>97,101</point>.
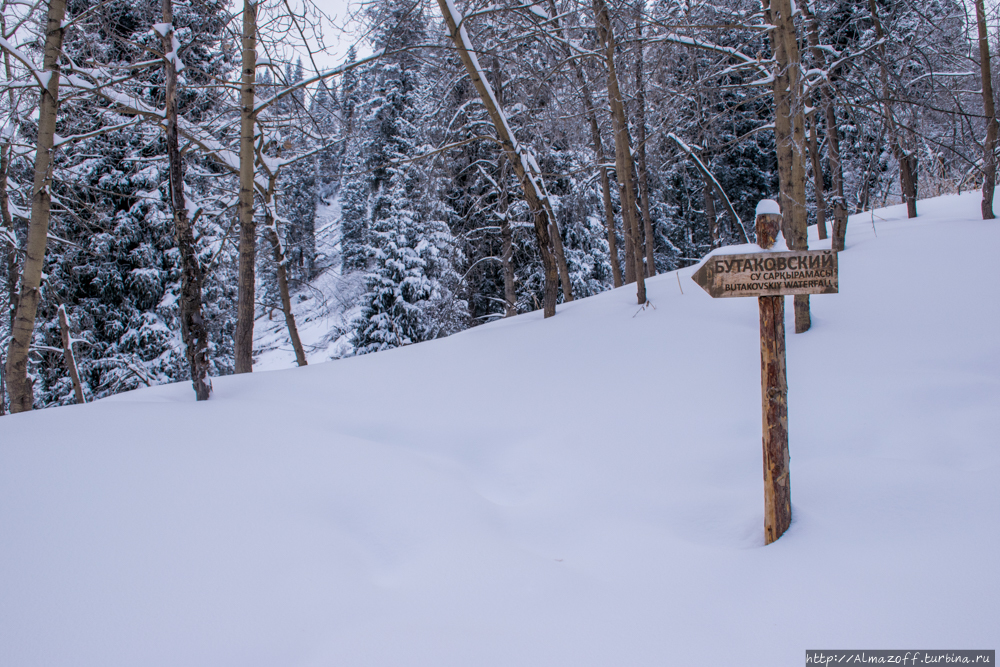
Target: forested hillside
<point>178,176</point>
<point>579,491</point>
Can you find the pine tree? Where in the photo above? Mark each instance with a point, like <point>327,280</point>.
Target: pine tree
<point>389,227</point>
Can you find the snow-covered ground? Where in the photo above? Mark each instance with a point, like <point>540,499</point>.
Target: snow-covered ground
<point>583,490</point>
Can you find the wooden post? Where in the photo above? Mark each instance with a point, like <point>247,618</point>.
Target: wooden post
<point>774,398</point>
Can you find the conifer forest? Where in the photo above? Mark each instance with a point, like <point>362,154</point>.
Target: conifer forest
<point>178,175</point>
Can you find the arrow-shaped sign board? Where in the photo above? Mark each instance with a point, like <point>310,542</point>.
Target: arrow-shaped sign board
<point>769,273</point>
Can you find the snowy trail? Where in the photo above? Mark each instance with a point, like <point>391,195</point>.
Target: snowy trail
<point>584,490</point>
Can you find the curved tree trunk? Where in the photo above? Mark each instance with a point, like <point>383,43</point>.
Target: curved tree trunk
<point>281,261</point>
<point>286,299</point>
<point>18,385</point>
<point>527,172</point>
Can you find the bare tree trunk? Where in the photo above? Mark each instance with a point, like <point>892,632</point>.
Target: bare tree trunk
<point>640,152</point>
<point>281,261</point>
<point>18,384</point>
<point>640,149</point>
<point>623,151</point>
<point>507,238</point>
<point>554,235</point>
<point>506,233</point>
<point>526,170</point>
<point>817,167</point>
<point>837,173</point>
<point>818,62</point>
<point>789,135</point>
<point>908,180</point>
<point>907,161</point>
<point>68,357</point>
<point>286,299</point>
<point>557,251</point>
<point>193,331</point>
<point>248,229</point>
<point>713,218</point>
<point>630,250</point>
<point>609,209</point>
<point>595,137</point>
<point>989,109</point>
<point>7,224</point>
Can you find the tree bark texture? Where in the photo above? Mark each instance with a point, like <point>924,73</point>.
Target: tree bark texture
<point>623,149</point>
<point>989,110</point>
<point>18,384</point>
<point>248,230</point>
<point>529,177</point>
<point>713,218</point>
<point>789,135</point>
<point>837,174</point>
<point>817,167</point>
<point>640,149</point>
<point>193,330</point>
<point>68,357</point>
<point>7,229</point>
<point>507,248</point>
<point>819,61</point>
<point>774,400</point>
<point>557,246</point>
<point>6,222</point>
<point>609,209</point>
<point>908,180</point>
<point>281,261</point>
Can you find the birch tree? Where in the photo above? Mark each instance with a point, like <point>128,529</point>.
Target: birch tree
<point>18,383</point>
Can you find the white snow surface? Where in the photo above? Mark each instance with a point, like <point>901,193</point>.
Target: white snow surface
<point>583,490</point>
<point>768,206</point>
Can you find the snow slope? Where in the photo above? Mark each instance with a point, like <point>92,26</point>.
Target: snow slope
<point>584,490</point>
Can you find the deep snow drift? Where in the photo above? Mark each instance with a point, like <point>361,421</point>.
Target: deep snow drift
<point>584,490</point>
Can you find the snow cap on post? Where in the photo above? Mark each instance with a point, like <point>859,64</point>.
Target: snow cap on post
<point>768,206</point>
<point>768,223</point>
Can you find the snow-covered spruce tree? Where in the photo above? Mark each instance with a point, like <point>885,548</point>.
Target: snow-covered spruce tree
<point>392,224</point>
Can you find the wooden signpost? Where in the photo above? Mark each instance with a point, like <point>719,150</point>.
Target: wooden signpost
<point>769,276</point>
